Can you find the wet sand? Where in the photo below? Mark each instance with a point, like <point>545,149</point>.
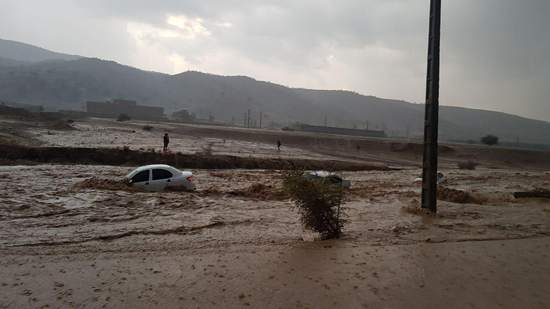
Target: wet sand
<point>490,274</point>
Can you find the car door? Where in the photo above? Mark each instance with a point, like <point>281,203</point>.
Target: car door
<point>141,179</point>
<point>161,178</point>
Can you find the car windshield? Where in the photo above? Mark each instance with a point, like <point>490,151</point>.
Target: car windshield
<point>132,173</point>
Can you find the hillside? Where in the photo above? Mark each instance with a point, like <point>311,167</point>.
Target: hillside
<point>7,62</point>
<point>29,53</point>
<point>67,84</point>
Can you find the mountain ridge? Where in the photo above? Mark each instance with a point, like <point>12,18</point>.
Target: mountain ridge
<point>67,84</point>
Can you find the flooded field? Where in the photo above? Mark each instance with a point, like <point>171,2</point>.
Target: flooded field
<point>183,139</point>
<point>71,235</point>
<point>40,205</point>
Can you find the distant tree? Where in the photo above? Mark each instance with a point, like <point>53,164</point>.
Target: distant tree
<point>123,117</point>
<point>490,140</point>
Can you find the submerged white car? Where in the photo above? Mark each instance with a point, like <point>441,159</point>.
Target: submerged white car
<point>330,179</point>
<point>156,177</point>
<point>440,178</point>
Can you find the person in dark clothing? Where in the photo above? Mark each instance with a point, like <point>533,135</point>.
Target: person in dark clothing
<point>278,145</point>
<point>166,140</point>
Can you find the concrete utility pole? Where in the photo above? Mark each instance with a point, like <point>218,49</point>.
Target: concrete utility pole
<point>260,119</point>
<point>248,119</point>
<point>244,120</point>
<point>431,118</point>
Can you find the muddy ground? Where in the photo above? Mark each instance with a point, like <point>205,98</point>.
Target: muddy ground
<point>237,240</point>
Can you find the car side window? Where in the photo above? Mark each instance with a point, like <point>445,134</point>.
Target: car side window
<point>161,174</point>
<point>141,176</point>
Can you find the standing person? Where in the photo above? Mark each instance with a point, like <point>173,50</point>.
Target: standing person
<point>278,145</point>
<point>166,140</point>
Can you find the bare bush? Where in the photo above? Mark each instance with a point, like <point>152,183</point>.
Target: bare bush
<point>318,203</point>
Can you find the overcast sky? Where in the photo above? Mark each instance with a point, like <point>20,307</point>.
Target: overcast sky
<point>495,54</point>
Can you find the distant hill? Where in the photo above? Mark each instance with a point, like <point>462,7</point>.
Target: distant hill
<point>67,84</point>
<point>7,62</point>
<point>29,53</point>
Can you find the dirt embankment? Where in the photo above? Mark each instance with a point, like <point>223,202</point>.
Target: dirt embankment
<point>127,157</point>
<point>379,150</point>
<point>417,148</point>
<point>536,193</point>
<point>51,120</point>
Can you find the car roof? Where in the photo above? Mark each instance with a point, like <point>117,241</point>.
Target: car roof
<point>154,166</point>
<point>320,173</point>
<point>151,166</point>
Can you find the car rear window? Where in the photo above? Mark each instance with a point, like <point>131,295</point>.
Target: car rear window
<point>161,174</point>
<point>141,176</point>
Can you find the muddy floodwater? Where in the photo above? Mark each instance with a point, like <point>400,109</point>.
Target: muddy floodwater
<point>40,205</point>
<point>75,236</point>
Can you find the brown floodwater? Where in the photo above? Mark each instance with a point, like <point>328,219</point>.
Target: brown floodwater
<point>40,205</point>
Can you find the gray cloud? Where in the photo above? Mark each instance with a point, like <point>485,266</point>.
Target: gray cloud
<point>493,51</point>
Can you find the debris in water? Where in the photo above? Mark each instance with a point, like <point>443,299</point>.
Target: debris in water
<point>457,196</point>
<point>538,192</point>
<point>260,191</point>
<point>106,184</point>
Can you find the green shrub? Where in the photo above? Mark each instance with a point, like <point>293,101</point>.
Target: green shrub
<point>318,204</point>
<point>147,128</point>
<point>123,117</point>
<point>469,165</point>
